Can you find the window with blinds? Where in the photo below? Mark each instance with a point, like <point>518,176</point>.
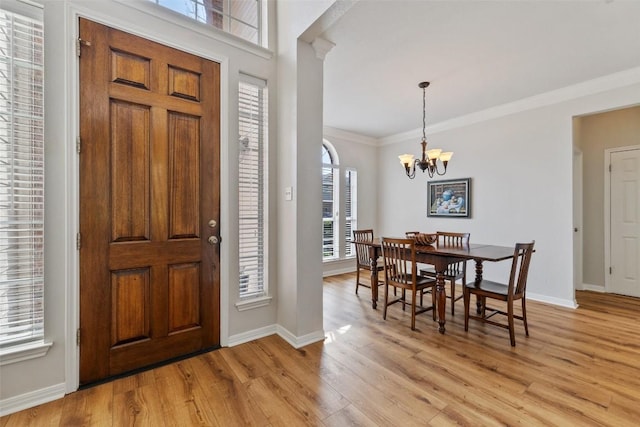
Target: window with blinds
<point>21,179</point>
<point>252,186</point>
<point>350,210</point>
<point>242,18</point>
<point>330,171</point>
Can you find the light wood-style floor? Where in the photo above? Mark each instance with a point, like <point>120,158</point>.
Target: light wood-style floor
<point>578,368</point>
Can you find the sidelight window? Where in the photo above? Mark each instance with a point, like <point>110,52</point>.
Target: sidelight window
<point>21,179</point>
<point>252,186</point>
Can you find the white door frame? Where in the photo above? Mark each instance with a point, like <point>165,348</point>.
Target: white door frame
<point>578,220</point>
<point>607,210</point>
<point>72,12</point>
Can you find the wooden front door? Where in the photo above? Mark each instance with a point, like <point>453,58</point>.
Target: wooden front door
<point>149,203</point>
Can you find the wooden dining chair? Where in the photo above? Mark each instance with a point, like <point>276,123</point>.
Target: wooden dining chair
<point>454,272</point>
<point>399,257</point>
<point>362,255</point>
<point>513,291</point>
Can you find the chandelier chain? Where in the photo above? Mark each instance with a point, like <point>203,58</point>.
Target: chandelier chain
<point>424,113</point>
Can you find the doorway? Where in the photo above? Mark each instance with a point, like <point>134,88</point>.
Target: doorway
<point>149,203</point>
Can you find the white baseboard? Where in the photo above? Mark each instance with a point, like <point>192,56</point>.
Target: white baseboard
<point>594,288</point>
<point>335,272</point>
<point>299,342</point>
<point>294,341</point>
<point>340,266</point>
<point>551,300</point>
<point>252,335</point>
<point>31,399</point>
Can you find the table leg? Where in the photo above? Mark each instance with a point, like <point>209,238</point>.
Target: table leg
<point>441,300</point>
<point>373,263</point>
<point>478,280</point>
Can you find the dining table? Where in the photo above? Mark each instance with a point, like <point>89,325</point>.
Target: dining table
<point>441,256</point>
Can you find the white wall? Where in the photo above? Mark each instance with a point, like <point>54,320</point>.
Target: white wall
<point>42,379</point>
<point>521,170</point>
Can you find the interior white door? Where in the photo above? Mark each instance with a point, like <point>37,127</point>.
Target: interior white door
<point>625,223</point>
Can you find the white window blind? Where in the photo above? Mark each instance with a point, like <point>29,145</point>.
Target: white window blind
<point>21,179</point>
<point>252,186</point>
<point>330,247</point>
<point>242,18</point>
<point>350,210</point>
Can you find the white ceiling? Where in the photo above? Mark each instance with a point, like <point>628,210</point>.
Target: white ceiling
<point>476,54</point>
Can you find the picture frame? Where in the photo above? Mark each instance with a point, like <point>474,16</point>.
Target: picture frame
<point>449,198</point>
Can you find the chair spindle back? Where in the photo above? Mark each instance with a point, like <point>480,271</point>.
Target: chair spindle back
<point>520,268</point>
<point>399,257</point>
<point>362,251</point>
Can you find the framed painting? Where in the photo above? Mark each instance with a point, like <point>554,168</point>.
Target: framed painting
<point>449,198</point>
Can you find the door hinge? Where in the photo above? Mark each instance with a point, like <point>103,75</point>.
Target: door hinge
<point>78,145</point>
<point>609,167</point>
<point>610,270</point>
<point>78,241</point>
<point>78,337</point>
<point>79,43</point>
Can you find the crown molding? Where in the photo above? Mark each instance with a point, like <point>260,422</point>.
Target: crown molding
<point>579,90</point>
<point>330,132</point>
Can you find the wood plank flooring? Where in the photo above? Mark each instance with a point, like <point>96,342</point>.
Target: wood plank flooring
<point>578,368</point>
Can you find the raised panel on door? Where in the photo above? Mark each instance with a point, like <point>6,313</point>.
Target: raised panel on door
<point>130,213</point>
<point>184,172</point>
<point>149,173</point>
<point>130,306</point>
<point>184,297</point>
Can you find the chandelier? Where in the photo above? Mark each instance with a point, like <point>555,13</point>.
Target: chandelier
<point>429,160</point>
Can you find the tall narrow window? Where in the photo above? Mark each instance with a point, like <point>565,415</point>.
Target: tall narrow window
<point>330,204</point>
<point>242,18</point>
<point>21,179</point>
<point>350,210</point>
<point>339,195</point>
<point>252,186</point>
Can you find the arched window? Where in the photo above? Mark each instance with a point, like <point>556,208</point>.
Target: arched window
<point>337,197</point>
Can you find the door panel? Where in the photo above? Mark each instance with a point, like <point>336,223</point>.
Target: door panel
<point>149,184</point>
<point>184,297</point>
<point>130,306</point>
<point>625,222</point>
<point>184,172</point>
<point>130,172</point>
